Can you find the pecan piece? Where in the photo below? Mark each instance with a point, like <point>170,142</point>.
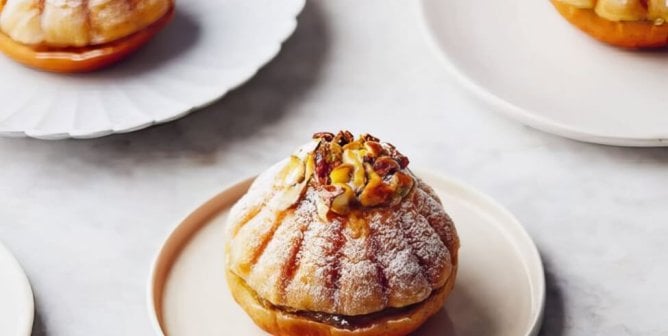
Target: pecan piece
<point>385,166</point>
<point>327,136</point>
<point>344,137</point>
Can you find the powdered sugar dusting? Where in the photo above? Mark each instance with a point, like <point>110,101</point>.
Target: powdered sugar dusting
<point>427,246</point>
<point>360,291</point>
<point>311,264</point>
<point>256,196</point>
<point>279,256</point>
<point>313,284</point>
<point>406,283</point>
<point>431,208</point>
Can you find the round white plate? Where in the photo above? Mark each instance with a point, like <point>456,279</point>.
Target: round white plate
<point>16,301</point>
<point>526,61</point>
<point>210,48</point>
<point>500,287</point>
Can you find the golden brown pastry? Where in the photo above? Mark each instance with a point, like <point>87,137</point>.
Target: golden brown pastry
<point>78,35</point>
<point>341,239</point>
<point>623,23</point>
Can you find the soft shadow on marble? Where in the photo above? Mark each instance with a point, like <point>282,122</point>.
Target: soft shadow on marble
<point>244,112</point>
<point>239,116</point>
<point>169,46</point>
<point>38,326</point>
<point>554,322</point>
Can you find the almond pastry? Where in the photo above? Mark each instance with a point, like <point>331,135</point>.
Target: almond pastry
<point>78,35</point>
<point>341,239</point>
<point>623,23</point>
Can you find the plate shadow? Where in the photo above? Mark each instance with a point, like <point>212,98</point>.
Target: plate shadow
<point>207,133</point>
<point>554,318</point>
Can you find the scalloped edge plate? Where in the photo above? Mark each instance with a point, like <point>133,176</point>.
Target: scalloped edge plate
<point>210,48</point>
<point>187,292</point>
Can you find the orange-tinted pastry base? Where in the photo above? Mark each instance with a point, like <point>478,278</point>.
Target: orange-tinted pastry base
<point>72,60</point>
<point>626,34</point>
<point>281,323</point>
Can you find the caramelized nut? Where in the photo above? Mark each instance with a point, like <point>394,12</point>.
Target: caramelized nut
<point>352,146</point>
<point>341,203</point>
<point>344,137</point>
<point>376,192</point>
<point>336,151</point>
<point>385,166</point>
<point>354,158</point>
<point>327,193</point>
<point>322,164</point>
<point>369,137</point>
<point>351,173</point>
<point>401,184</point>
<point>327,136</point>
<point>309,166</point>
<point>374,149</point>
<point>342,173</point>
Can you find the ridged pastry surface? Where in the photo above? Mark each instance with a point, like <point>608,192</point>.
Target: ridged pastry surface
<point>77,23</point>
<point>294,255</point>
<point>625,10</point>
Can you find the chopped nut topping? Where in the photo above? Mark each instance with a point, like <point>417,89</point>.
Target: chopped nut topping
<point>364,172</point>
<point>348,174</point>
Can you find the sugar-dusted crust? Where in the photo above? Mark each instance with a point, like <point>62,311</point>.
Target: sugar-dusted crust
<point>281,323</point>
<point>626,34</point>
<point>380,258</point>
<point>77,23</point>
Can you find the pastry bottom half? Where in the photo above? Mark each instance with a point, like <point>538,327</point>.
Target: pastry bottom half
<point>281,321</point>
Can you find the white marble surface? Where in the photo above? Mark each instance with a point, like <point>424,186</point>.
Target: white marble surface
<point>86,217</point>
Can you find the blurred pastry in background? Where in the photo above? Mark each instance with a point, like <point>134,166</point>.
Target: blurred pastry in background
<point>78,35</point>
<point>623,23</point>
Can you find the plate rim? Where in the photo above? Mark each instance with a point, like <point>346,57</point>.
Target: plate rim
<point>155,263</point>
<point>535,271</point>
<point>518,113</point>
<point>224,90</point>
<point>519,235</point>
<point>28,295</point>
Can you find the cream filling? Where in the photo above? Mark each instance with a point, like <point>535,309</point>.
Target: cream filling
<point>77,23</point>
<point>625,10</point>
<point>343,321</point>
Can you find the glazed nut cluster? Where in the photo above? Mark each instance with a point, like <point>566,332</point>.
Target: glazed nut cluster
<point>361,172</point>
<point>626,10</point>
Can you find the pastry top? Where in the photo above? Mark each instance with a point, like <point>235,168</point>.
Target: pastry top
<point>342,227</point>
<point>77,23</point>
<point>655,11</point>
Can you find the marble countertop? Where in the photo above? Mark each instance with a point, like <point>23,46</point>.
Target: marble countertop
<point>85,218</point>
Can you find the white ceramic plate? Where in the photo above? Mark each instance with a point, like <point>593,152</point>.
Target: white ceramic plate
<point>16,301</point>
<point>210,48</point>
<point>525,60</point>
<point>500,287</point>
